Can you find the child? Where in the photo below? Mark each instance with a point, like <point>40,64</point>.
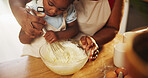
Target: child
<point>60,21</point>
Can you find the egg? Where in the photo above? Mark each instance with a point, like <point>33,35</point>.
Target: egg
<point>127,76</point>
<point>123,70</point>
<point>111,74</point>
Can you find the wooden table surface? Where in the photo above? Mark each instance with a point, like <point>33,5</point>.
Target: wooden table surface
<point>31,67</point>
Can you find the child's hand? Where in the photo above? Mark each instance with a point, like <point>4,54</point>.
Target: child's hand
<point>32,24</point>
<point>50,36</point>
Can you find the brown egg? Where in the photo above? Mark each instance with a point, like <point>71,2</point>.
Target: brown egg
<point>111,74</point>
<point>127,76</point>
<point>123,70</point>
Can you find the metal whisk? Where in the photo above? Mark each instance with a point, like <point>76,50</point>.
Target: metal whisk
<point>59,51</point>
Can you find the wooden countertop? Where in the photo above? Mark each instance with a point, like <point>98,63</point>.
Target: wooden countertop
<point>31,67</point>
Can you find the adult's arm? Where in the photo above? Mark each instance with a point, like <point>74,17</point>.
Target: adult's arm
<point>71,31</point>
<point>31,25</point>
<point>108,32</point>
<point>18,6</point>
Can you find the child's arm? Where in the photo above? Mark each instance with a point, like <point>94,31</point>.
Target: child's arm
<point>31,25</point>
<point>71,31</point>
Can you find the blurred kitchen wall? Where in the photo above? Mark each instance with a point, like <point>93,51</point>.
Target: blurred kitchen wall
<point>10,47</point>
<point>138,14</point>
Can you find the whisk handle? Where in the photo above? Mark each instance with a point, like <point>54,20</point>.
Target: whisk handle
<point>44,30</point>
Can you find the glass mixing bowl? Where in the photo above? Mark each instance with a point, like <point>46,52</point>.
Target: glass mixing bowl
<point>61,68</point>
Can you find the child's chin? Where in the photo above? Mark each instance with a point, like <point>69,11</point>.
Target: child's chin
<point>51,15</point>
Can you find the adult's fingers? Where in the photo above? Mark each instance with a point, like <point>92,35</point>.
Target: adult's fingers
<point>93,55</point>
<point>38,13</point>
<point>89,43</point>
<point>38,26</point>
<point>29,30</point>
<point>30,35</point>
<point>37,19</point>
<point>36,16</point>
<point>83,41</point>
<point>33,32</point>
<point>36,32</point>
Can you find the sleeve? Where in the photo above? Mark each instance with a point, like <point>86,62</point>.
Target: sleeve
<point>71,14</point>
<point>32,5</point>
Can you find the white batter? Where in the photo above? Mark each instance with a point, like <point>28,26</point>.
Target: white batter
<point>70,54</point>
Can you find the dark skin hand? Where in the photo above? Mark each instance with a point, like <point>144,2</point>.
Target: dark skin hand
<point>35,29</point>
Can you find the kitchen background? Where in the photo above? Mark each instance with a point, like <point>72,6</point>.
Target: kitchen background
<point>11,48</point>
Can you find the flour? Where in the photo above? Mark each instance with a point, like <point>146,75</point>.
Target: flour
<point>71,53</point>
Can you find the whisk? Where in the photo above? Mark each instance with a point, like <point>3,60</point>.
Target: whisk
<point>58,50</point>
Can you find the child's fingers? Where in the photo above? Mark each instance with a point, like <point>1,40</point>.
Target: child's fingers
<point>52,40</point>
<point>50,37</point>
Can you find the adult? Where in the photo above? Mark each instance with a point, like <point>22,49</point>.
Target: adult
<point>98,19</point>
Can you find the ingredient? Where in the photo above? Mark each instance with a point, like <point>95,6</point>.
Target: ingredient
<point>115,74</point>
<point>111,74</point>
<point>72,53</point>
<point>123,70</point>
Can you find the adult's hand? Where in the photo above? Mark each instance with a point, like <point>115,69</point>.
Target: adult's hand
<point>90,46</point>
<point>32,24</point>
<point>86,42</point>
